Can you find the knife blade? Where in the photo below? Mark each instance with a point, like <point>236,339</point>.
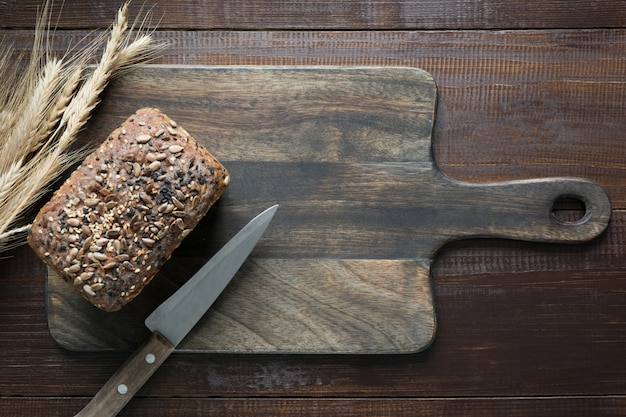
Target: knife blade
<point>171,321</point>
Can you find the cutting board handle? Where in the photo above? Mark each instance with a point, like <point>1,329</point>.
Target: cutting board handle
<point>525,209</point>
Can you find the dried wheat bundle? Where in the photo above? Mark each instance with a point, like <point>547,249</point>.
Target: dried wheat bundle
<point>43,109</point>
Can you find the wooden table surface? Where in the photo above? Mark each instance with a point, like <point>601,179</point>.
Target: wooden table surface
<point>526,89</point>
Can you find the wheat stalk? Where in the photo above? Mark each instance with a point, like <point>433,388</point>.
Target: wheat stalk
<point>45,112</point>
<point>27,135</point>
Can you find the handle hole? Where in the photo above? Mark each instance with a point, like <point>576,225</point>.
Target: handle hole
<point>568,209</point>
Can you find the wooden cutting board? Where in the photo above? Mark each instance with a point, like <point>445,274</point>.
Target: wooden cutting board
<point>344,267</point>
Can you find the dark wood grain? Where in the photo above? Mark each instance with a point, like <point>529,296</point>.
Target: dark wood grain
<point>511,104</point>
<point>334,14</point>
<point>495,323</point>
<point>350,407</point>
<point>346,152</point>
<point>524,329</point>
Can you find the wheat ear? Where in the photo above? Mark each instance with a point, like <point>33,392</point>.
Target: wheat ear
<point>40,148</point>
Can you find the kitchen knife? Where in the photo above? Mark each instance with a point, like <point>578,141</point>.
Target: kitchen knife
<point>175,317</point>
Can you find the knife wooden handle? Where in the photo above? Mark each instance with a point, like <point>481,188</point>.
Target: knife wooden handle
<point>129,378</point>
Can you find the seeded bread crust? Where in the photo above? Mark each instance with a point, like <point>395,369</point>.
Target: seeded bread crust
<point>120,215</point>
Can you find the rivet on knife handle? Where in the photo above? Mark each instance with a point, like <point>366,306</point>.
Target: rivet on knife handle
<point>175,317</point>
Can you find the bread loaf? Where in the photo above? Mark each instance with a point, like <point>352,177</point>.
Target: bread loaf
<point>110,227</point>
